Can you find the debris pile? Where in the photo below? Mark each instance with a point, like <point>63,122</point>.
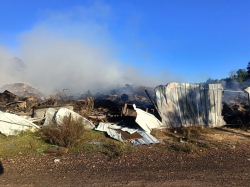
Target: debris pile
<point>24,111</point>
<point>22,90</point>
<point>192,105</point>
<point>235,108</point>
<point>11,124</point>
<point>121,132</point>
<point>236,114</point>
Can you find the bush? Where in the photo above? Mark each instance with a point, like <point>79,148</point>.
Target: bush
<point>66,135</point>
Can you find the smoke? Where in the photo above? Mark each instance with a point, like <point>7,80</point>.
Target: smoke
<point>72,49</point>
<point>12,69</point>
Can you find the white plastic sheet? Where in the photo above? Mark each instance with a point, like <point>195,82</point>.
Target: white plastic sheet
<point>59,115</point>
<point>11,124</point>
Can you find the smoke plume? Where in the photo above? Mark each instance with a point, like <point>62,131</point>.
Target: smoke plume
<point>71,49</point>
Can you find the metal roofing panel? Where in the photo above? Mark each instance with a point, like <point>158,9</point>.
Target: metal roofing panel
<point>183,104</point>
<point>112,131</point>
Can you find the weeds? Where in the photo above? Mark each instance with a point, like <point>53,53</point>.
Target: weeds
<point>186,139</point>
<point>193,132</point>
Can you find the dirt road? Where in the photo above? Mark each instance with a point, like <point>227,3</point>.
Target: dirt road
<point>226,165</point>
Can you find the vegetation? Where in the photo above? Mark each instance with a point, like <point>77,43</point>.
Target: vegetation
<point>72,134</point>
<point>23,144</point>
<point>238,79</point>
<point>187,139</point>
<point>66,135</point>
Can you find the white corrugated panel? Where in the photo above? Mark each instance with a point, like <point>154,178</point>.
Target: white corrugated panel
<point>182,104</point>
<point>111,130</point>
<point>146,120</point>
<point>146,139</point>
<point>59,115</point>
<point>11,124</point>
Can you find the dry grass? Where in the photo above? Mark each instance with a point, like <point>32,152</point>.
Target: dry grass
<point>186,139</point>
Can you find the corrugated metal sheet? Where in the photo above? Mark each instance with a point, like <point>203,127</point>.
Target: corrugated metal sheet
<point>146,120</point>
<point>111,130</point>
<point>182,104</point>
<point>113,133</point>
<point>146,139</point>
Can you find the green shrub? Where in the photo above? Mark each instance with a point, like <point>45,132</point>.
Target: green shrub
<point>66,135</point>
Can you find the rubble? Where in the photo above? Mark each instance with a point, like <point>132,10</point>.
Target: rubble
<point>127,136</point>
<point>18,105</point>
<point>235,108</point>
<point>22,90</point>
<point>128,110</point>
<point>120,106</point>
<point>40,111</point>
<point>123,133</point>
<point>57,116</point>
<point>146,121</point>
<point>7,96</point>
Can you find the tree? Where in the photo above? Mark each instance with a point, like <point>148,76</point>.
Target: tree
<point>242,75</point>
<point>232,74</point>
<point>212,81</point>
<point>248,68</point>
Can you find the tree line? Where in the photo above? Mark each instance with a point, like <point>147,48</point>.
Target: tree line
<point>237,78</point>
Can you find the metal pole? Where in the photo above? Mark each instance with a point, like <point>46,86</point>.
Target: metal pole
<point>153,103</point>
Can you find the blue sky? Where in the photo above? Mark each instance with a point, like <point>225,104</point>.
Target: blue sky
<point>181,40</point>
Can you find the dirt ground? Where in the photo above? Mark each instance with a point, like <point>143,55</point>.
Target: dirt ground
<point>227,164</point>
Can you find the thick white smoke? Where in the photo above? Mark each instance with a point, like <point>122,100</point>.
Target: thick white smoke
<point>72,49</point>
